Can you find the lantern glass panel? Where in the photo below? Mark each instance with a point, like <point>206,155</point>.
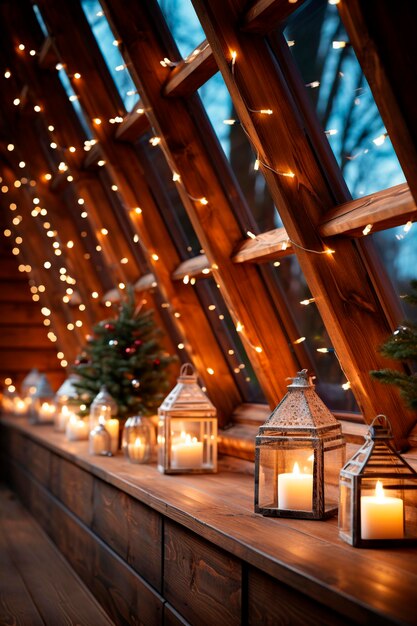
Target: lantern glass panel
<point>345,507</point>
<point>187,444</point>
<point>138,440</point>
<point>378,493</point>
<point>102,408</point>
<point>333,460</point>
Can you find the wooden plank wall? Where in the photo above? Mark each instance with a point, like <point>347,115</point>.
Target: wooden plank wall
<point>143,567</point>
<point>23,337</point>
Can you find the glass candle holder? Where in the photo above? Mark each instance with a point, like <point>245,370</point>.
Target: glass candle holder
<point>187,428</point>
<point>99,441</point>
<point>77,429</point>
<point>102,408</point>
<point>138,439</point>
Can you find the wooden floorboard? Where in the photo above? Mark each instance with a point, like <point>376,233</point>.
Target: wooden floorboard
<point>37,586</point>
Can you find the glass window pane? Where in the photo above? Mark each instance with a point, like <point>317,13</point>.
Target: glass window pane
<point>66,83</point>
<point>330,377</point>
<point>229,340</point>
<point>397,248</point>
<point>40,20</point>
<point>342,98</point>
<point>183,24</point>
<point>218,105</point>
<point>165,192</point>
<point>108,44</point>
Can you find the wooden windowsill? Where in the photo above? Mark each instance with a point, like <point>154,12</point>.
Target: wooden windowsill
<point>307,556</point>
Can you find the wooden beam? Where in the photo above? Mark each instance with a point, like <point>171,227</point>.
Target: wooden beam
<point>188,142</point>
<point>148,281</point>
<point>134,124</point>
<point>198,266</point>
<point>191,73</point>
<point>47,57</point>
<point>340,282</point>
<point>35,253</point>
<point>264,248</point>
<point>392,207</point>
<point>153,236</point>
<point>264,16</point>
<point>383,37</point>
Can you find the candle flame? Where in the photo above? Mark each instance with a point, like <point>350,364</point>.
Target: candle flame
<point>138,442</point>
<point>296,468</point>
<point>379,490</point>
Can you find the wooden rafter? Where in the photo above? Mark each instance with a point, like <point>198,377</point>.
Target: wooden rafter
<point>187,148</point>
<point>339,282</point>
<point>122,162</point>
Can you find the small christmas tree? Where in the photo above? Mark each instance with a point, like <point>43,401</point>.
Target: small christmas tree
<point>402,346</point>
<point>124,354</point>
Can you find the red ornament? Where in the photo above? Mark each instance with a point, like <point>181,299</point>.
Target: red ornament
<point>157,362</point>
<point>110,327</point>
<point>138,342</point>
<point>130,350</point>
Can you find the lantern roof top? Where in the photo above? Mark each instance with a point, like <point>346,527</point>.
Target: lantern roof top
<point>43,388</point>
<point>300,409</point>
<point>30,380</point>
<point>187,396</point>
<point>377,453</point>
<point>104,397</point>
<point>67,388</point>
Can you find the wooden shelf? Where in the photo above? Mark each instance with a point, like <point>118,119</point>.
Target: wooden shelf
<point>210,526</point>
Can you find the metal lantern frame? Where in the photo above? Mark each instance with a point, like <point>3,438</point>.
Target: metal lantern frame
<point>300,425</point>
<point>377,461</point>
<point>102,408</point>
<point>67,402</point>
<point>188,405</point>
<point>43,395</point>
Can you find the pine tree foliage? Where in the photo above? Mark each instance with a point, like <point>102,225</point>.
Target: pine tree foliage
<point>125,355</point>
<point>402,346</point>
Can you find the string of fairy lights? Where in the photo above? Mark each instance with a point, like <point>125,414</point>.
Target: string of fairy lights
<point>102,233</point>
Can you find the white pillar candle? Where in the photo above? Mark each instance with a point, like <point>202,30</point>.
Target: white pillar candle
<point>62,418</point>
<point>382,517</point>
<point>112,427</point>
<point>46,412</point>
<point>187,453</point>
<point>20,407</point>
<point>77,429</point>
<point>295,490</point>
<point>136,450</point>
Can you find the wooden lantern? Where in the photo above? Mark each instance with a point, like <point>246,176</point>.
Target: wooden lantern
<point>187,428</point>
<point>378,493</point>
<point>298,456</point>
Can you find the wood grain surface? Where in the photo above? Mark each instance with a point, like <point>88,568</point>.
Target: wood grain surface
<point>37,586</point>
<point>215,547</point>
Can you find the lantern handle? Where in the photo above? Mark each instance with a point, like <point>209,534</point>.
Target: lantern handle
<point>187,369</point>
<point>380,427</point>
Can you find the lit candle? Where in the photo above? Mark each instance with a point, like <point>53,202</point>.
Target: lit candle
<point>62,418</point>
<point>112,427</point>
<point>136,450</point>
<point>46,412</point>
<point>187,453</point>
<point>19,406</point>
<point>382,517</point>
<point>77,429</point>
<point>295,490</point>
